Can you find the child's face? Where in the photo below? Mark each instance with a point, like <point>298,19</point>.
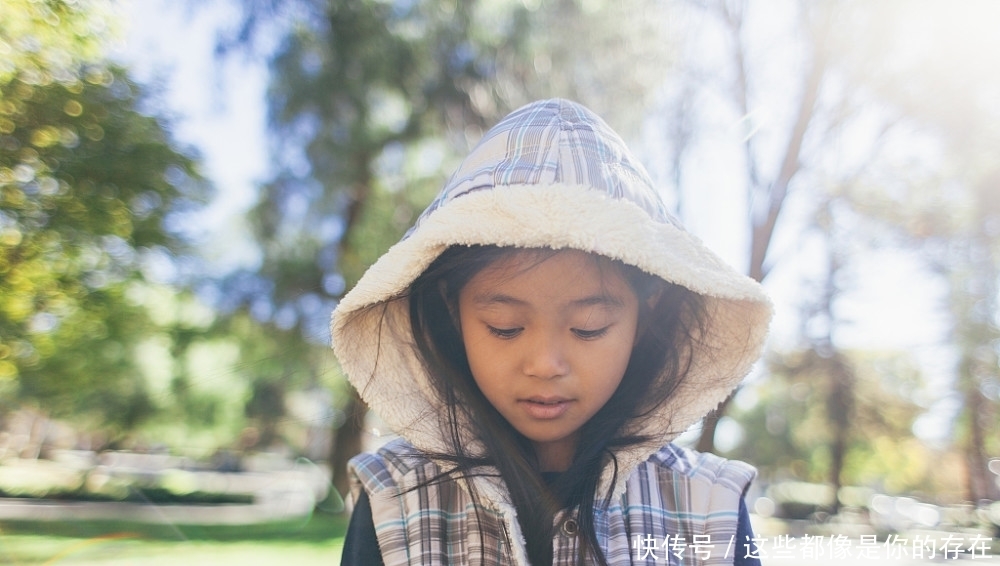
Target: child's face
<point>548,341</point>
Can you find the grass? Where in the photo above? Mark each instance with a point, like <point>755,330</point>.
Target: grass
<point>317,540</point>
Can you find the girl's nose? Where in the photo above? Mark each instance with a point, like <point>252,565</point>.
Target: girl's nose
<point>546,359</point>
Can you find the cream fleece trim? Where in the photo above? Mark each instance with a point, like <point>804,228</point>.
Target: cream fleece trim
<point>376,350</point>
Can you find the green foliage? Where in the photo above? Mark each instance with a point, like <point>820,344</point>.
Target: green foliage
<point>371,103</point>
<point>354,86</point>
<point>88,186</point>
<point>320,528</point>
<point>49,39</point>
<point>787,434</point>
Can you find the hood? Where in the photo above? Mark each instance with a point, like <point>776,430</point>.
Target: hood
<point>551,174</point>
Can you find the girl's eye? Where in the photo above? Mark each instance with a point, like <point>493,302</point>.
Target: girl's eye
<point>505,333</point>
<point>591,334</point>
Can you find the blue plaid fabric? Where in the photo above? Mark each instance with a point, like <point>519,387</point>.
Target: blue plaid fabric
<point>679,507</point>
<point>553,142</point>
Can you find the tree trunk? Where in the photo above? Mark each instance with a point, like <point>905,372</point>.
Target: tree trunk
<point>347,442</point>
<point>763,225</point>
<point>840,405</point>
<point>979,484</point>
<point>347,437</point>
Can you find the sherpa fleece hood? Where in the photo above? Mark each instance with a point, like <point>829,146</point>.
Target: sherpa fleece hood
<point>550,175</point>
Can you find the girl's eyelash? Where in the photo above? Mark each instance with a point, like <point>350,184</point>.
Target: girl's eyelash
<point>506,333</point>
<point>591,334</point>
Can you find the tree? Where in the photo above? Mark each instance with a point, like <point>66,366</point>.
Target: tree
<point>955,233</point>
<point>787,435</point>
<point>91,189</point>
<point>819,123</point>
<point>370,104</point>
<point>773,150</point>
<point>941,200</point>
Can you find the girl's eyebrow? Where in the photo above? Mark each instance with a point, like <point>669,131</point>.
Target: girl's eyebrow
<point>489,299</point>
<point>601,300</point>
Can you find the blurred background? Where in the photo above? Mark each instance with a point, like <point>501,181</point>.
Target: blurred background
<point>187,189</point>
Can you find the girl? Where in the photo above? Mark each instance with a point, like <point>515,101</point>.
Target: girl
<point>537,339</point>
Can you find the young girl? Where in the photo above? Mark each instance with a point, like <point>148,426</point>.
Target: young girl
<point>537,339</point>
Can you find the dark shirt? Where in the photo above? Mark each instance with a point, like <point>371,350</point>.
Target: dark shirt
<point>361,544</point>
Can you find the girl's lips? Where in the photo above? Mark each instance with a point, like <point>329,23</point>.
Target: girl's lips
<point>545,408</point>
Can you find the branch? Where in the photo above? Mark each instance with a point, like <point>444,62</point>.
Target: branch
<point>762,232</point>
<point>734,21</point>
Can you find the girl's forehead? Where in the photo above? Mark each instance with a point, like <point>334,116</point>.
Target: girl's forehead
<point>566,261</point>
<point>555,271</point>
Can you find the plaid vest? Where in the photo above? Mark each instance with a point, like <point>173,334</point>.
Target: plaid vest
<point>679,507</point>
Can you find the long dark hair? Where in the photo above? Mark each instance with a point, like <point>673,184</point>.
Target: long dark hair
<point>670,317</point>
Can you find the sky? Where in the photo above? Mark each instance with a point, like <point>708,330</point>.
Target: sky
<point>218,107</point>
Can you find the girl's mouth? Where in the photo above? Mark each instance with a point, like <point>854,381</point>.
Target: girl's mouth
<point>545,408</point>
